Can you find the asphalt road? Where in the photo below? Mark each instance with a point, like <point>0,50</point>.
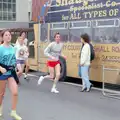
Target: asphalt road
<point>38,103</point>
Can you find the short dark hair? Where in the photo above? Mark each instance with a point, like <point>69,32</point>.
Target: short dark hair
<point>85,37</point>
<point>1,37</point>
<point>3,32</point>
<point>0,34</point>
<point>21,32</point>
<point>57,33</point>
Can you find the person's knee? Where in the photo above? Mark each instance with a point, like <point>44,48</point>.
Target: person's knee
<point>26,63</point>
<point>52,76</point>
<point>15,93</point>
<point>19,73</point>
<point>2,94</point>
<point>57,75</point>
<point>27,66</point>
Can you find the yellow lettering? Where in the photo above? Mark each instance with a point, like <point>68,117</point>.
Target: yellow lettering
<point>95,13</point>
<point>87,14</point>
<point>71,8</point>
<point>104,13</point>
<point>75,9</point>
<point>79,16</point>
<point>71,16</point>
<point>71,2</point>
<point>116,12</point>
<point>108,3</point>
<point>100,13</point>
<point>113,12</point>
<point>90,15</point>
<point>65,17</point>
<point>79,8</point>
<point>62,17</point>
<point>63,2</point>
<point>78,1</point>
<point>58,3</point>
<point>75,16</point>
<point>113,4</point>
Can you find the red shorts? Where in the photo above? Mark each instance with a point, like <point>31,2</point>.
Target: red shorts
<point>52,63</point>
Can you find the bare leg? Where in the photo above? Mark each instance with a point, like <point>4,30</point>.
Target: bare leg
<point>2,91</point>
<point>51,76</point>
<point>26,68</point>
<point>20,71</point>
<point>57,70</point>
<point>14,91</point>
<point>51,71</point>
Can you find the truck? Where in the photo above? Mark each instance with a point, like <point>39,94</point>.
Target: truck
<point>100,19</point>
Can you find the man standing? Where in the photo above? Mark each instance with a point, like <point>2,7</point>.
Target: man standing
<point>43,10</point>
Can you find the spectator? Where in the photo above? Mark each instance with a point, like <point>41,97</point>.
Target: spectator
<point>85,62</point>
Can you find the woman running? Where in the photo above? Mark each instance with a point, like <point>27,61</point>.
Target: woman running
<point>53,51</point>
<point>21,52</point>
<point>23,35</point>
<point>7,66</point>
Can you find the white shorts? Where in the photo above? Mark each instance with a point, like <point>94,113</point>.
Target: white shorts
<point>26,58</point>
<point>20,67</point>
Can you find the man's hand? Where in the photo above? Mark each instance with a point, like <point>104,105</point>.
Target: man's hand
<point>53,58</point>
<point>64,57</point>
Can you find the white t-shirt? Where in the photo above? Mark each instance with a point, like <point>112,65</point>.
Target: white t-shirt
<point>21,52</point>
<point>25,41</point>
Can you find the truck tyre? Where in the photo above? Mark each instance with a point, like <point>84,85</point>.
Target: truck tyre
<point>63,71</point>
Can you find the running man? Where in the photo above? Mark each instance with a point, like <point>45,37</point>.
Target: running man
<point>53,52</point>
<point>43,10</point>
<point>7,67</point>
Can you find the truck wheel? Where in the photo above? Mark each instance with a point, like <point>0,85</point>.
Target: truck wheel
<point>63,71</point>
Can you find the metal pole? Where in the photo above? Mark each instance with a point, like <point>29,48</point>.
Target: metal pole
<point>38,45</point>
<point>103,85</point>
<point>111,93</point>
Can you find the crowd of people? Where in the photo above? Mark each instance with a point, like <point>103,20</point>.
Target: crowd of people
<point>15,58</point>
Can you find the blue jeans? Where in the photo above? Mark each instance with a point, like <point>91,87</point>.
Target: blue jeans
<point>43,9</point>
<point>84,71</point>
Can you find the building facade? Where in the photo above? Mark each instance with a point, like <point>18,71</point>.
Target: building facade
<point>14,14</point>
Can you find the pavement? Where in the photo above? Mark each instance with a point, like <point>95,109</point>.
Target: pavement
<point>38,103</point>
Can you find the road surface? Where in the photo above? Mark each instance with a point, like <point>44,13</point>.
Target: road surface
<point>38,103</point>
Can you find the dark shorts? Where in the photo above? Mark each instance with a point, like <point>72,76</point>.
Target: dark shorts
<point>52,63</point>
<point>20,61</point>
<point>5,77</point>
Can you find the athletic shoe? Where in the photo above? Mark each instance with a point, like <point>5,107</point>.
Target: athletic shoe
<point>54,90</point>
<point>15,115</point>
<point>40,80</point>
<point>25,76</point>
<point>0,110</point>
